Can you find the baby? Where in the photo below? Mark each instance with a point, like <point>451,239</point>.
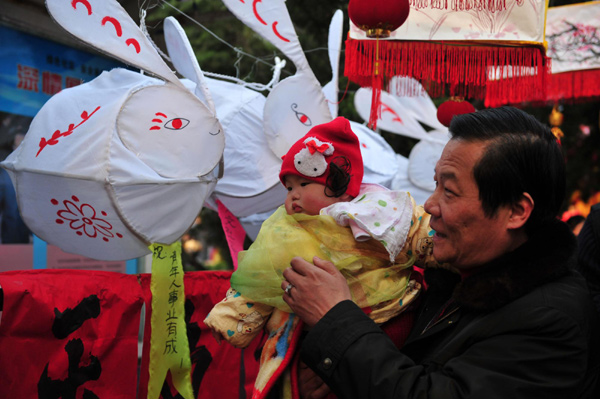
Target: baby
<point>388,234</point>
<point>371,234</point>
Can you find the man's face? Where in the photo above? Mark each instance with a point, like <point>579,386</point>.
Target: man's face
<point>305,196</point>
<point>465,237</point>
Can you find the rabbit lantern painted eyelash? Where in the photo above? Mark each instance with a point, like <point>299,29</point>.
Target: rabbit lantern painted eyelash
<point>126,160</point>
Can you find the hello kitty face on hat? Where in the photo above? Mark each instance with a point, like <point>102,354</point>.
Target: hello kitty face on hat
<point>310,160</point>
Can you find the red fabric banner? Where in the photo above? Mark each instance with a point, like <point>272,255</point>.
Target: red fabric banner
<point>69,334</point>
<point>234,232</point>
<point>73,334</point>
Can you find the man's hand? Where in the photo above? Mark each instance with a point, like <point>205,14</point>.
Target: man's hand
<point>315,288</point>
<point>310,385</point>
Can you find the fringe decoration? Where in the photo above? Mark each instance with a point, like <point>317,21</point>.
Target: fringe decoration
<point>518,73</point>
<point>566,88</point>
<point>462,5</point>
<point>574,86</point>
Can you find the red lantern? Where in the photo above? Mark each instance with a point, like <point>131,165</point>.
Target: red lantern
<point>378,17</point>
<point>454,106</point>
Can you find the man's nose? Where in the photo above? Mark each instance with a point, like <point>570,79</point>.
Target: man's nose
<point>431,204</point>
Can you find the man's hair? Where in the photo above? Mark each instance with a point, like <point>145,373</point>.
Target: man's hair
<point>522,155</point>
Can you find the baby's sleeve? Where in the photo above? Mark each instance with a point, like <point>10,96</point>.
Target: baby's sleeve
<point>420,238</point>
<point>237,318</point>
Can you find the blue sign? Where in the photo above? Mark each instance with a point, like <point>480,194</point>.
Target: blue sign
<point>32,69</point>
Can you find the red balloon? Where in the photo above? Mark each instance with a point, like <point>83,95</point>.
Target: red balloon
<point>386,15</point>
<point>449,109</point>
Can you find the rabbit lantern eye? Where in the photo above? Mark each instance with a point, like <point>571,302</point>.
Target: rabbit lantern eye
<point>177,123</point>
<point>173,124</point>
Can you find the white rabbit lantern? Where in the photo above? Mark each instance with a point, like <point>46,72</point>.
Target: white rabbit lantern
<point>123,161</point>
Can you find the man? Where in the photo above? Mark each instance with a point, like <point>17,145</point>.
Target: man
<point>589,253</point>
<point>516,321</point>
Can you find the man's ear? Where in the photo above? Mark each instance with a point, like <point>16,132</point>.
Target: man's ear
<point>520,212</point>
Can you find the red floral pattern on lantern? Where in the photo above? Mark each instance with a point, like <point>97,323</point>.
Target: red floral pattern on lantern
<point>84,219</point>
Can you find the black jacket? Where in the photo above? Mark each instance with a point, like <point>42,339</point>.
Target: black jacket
<point>589,253</point>
<point>524,327</point>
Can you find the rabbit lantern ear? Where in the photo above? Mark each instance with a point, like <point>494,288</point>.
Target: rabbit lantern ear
<point>184,60</point>
<point>334,48</point>
<point>105,25</point>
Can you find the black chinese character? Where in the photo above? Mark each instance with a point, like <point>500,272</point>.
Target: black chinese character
<point>158,252</point>
<point>173,297</point>
<point>64,324</point>
<point>77,376</point>
<point>71,319</point>
<point>170,346</point>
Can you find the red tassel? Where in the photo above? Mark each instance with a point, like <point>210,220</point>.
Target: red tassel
<point>376,87</point>
<point>520,73</point>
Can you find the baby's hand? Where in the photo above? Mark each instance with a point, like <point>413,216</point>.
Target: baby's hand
<point>217,335</point>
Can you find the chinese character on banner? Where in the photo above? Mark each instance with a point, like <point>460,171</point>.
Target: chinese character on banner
<point>71,81</point>
<point>69,334</point>
<point>51,83</point>
<point>28,78</point>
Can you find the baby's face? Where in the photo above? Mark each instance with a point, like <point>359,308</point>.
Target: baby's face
<point>306,196</point>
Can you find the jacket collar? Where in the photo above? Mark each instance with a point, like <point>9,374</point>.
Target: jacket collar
<point>548,255</point>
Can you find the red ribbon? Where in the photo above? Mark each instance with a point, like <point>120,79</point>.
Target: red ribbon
<point>314,147</point>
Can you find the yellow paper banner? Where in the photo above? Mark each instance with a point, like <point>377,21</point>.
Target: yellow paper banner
<point>169,347</point>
